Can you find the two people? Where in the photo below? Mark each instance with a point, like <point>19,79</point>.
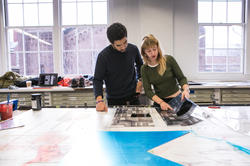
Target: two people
<point>121,68</point>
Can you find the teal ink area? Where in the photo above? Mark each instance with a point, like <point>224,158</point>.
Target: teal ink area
<point>131,148</point>
<point>247,151</point>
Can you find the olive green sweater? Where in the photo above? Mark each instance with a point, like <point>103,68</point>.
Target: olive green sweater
<point>164,85</point>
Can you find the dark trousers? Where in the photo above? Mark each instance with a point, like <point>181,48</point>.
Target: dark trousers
<point>130,100</point>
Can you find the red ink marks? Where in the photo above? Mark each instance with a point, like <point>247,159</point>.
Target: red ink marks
<point>49,149</point>
<point>2,147</point>
<point>214,107</point>
<point>45,153</point>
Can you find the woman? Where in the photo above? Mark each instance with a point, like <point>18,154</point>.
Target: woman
<point>163,73</point>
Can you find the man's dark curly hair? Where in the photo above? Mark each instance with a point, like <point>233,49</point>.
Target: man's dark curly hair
<point>116,31</point>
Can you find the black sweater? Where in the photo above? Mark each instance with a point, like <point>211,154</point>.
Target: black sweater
<point>118,70</point>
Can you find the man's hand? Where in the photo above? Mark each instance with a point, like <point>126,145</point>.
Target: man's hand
<point>101,107</point>
<point>139,87</point>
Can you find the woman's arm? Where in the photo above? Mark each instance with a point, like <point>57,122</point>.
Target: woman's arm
<point>162,103</point>
<point>185,91</point>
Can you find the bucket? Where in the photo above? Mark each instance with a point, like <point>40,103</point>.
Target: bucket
<point>6,111</point>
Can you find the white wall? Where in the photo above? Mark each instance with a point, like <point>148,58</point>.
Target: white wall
<point>3,59</point>
<point>186,36</point>
<point>142,17</point>
<point>248,41</point>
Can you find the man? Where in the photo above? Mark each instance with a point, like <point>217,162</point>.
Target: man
<point>118,65</point>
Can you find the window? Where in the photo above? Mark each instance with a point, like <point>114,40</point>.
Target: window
<point>221,35</point>
<point>30,29</point>
<point>84,24</point>
<point>30,43</point>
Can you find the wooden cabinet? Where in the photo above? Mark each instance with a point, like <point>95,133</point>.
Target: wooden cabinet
<point>24,98</point>
<point>77,98</point>
<point>235,96</point>
<point>53,98</point>
<point>205,94</point>
<point>202,96</point>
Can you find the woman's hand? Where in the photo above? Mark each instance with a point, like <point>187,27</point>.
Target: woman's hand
<point>185,94</point>
<point>165,106</point>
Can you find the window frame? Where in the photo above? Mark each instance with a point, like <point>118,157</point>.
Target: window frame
<point>23,28</point>
<point>92,24</point>
<point>215,24</point>
<point>57,36</point>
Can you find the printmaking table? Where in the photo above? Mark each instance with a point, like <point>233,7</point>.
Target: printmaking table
<point>82,136</point>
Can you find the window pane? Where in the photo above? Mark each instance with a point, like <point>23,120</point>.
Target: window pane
<point>219,60</point>
<point>15,15</point>
<point>234,60</point>
<point>46,62</point>
<point>69,0</point>
<point>30,15</point>
<point>31,63</point>
<point>37,43</point>
<point>85,62</point>
<point>30,41</point>
<point>234,68</point>
<point>70,63</point>
<point>69,38</point>
<point>205,68</point>
<point>99,37</point>
<point>219,11</point>
<point>207,53</point>
<point>94,58</point>
<point>84,13</point>
<point>235,37</point>
<point>220,37</point>
<point>51,1</point>
<point>235,57</point>
<point>46,41</point>
<point>219,68</point>
<point>45,14</point>
<point>220,52</point>
<point>100,13</point>
<point>204,11</point>
<point>205,60</point>
<point>209,60</point>
<point>16,61</point>
<point>234,11</point>
<point>15,1</point>
<point>15,40</point>
<point>30,1</point>
<point>69,13</point>
<point>206,37</point>
<point>84,38</point>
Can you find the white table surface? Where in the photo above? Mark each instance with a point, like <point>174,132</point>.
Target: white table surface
<point>65,136</point>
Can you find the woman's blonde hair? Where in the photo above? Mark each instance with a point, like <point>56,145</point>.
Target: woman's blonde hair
<point>148,42</point>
